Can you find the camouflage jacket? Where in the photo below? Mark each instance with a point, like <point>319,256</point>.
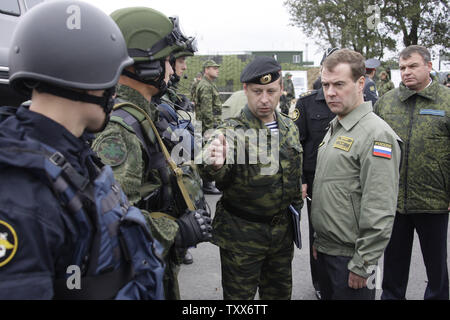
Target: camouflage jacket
<point>289,88</point>
<point>384,86</point>
<point>208,107</point>
<point>119,147</point>
<point>355,188</point>
<point>193,89</point>
<point>422,120</point>
<point>255,188</point>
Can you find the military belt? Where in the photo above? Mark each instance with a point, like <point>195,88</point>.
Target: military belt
<point>271,220</point>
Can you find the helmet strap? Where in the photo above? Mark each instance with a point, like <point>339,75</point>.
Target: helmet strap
<point>106,101</point>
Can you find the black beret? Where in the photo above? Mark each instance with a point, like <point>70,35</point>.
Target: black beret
<point>262,70</point>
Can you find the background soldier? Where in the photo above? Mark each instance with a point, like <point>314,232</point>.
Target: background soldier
<point>370,89</point>
<point>131,146</point>
<point>289,93</point>
<point>385,84</point>
<point>208,109</point>
<point>419,112</point>
<point>52,188</point>
<point>355,185</point>
<point>194,85</point>
<point>252,225</point>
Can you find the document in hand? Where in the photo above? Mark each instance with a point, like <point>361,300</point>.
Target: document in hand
<point>296,225</point>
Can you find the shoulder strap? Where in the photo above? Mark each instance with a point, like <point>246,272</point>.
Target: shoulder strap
<point>175,169</point>
<point>133,119</point>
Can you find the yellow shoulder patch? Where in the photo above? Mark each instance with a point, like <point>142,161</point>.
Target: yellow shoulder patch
<point>8,243</point>
<point>295,114</point>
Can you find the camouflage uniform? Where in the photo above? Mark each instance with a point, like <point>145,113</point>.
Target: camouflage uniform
<point>122,150</point>
<point>289,88</point>
<point>384,86</point>
<point>422,120</point>
<point>194,89</point>
<point>208,107</point>
<point>246,244</point>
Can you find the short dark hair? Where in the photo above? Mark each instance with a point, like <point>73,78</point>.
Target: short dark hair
<point>421,50</point>
<point>353,58</point>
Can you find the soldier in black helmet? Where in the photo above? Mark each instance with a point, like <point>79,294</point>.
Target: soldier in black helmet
<point>61,210</point>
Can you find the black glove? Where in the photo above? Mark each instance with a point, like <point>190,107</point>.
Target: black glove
<point>195,227</point>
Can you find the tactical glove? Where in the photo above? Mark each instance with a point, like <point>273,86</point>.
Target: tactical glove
<point>195,227</point>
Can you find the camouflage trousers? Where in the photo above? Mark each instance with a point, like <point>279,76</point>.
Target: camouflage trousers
<point>271,273</point>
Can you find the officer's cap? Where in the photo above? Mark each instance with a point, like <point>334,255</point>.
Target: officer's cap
<point>210,63</point>
<point>372,63</point>
<point>288,74</point>
<point>262,70</point>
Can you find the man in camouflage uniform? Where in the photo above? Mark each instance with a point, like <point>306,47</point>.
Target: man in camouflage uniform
<point>385,84</point>
<point>131,148</point>
<point>419,111</point>
<point>194,85</point>
<point>180,103</point>
<point>208,109</point>
<point>253,227</point>
<point>355,183</point>
<point>289,93</point>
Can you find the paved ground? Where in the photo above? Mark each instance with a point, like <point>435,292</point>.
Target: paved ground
<point>202,279</point>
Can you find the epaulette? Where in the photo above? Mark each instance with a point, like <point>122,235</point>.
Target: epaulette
<point>307,94</point>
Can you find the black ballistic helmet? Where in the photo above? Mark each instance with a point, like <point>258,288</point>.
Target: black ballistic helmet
<point>67,44</point>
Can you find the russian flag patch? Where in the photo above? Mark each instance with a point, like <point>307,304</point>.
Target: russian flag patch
<point>382,149</point>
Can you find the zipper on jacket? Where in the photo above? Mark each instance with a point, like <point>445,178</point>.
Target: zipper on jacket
<point>411,105</point>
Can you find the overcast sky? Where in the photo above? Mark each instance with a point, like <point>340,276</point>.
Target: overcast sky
<point>222,26</point>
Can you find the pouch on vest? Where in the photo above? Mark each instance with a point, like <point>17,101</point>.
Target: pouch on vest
<point>115,250</point>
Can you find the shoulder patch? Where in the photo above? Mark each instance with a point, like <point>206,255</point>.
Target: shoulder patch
<point>112,151</point>
<point>295,115</point>
<point>372,88</point>
<point>382,149</point>
<point>8,243</point>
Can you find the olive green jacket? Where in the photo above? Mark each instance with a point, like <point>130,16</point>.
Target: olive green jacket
<point>422,120</point>
<point>249,185</point>
<point>355,188</point>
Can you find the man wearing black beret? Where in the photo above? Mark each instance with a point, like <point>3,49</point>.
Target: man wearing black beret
<point>253,225</point>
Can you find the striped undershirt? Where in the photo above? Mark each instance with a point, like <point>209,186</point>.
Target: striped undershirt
<point>273,126</point>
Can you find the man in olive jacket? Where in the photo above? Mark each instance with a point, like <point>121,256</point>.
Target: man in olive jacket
<point>355,184</point>
<point>419,112</point>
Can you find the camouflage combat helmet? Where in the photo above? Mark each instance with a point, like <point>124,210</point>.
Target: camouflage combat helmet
<point>150,38</point>
<point>149,34</point>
